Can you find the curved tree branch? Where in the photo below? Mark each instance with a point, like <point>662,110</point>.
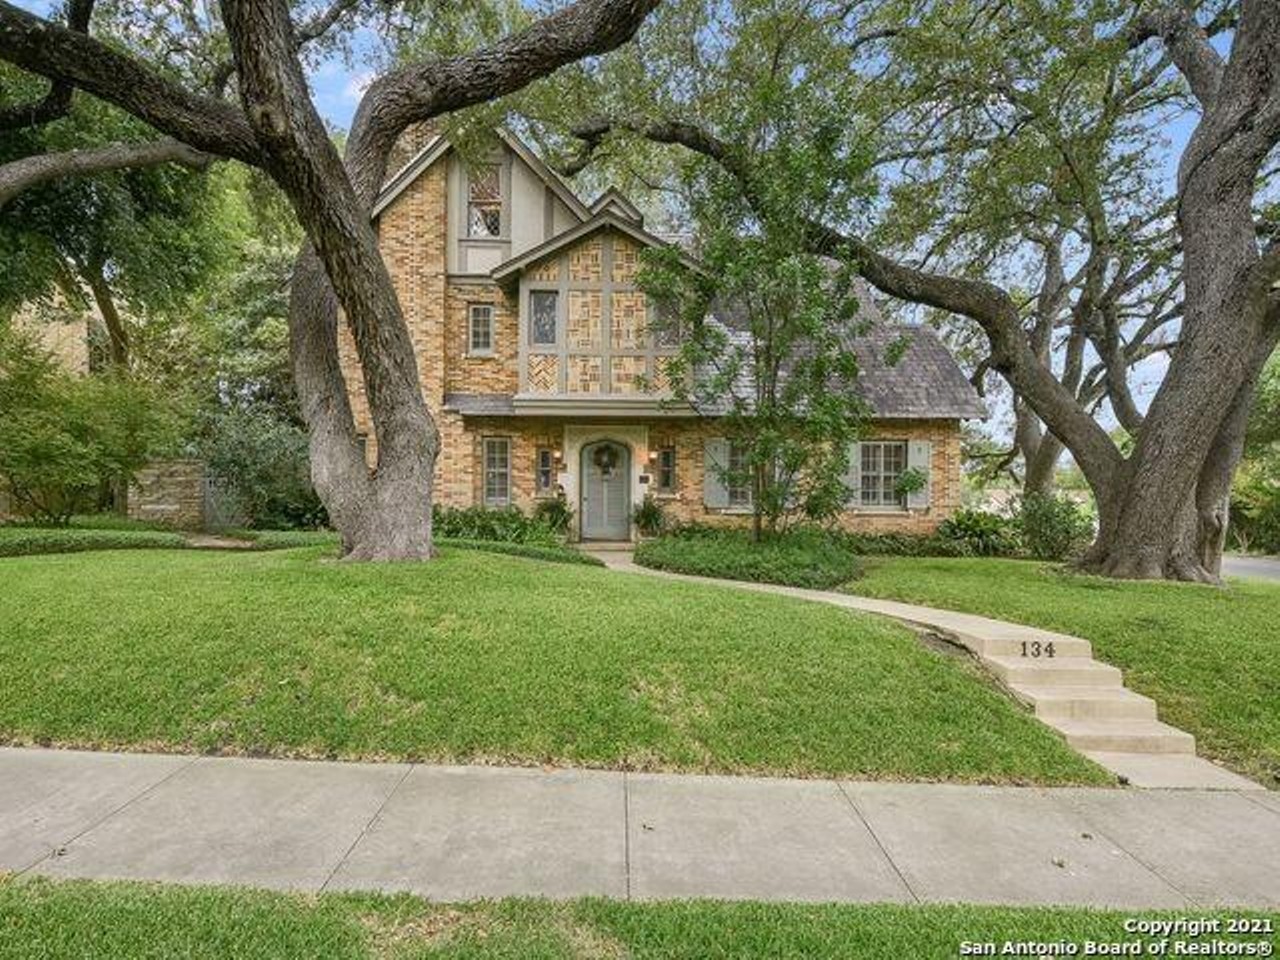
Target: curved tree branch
<point>57,102</point>
<point>20,175</point>
<point>66,56</point>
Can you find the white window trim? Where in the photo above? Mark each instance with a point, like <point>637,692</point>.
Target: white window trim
<point>472,349</point>
<point>881,508</point>
<point>484,469</point>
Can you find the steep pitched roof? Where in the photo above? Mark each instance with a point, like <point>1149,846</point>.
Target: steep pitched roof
<point>439,145</point>
<point>615,200</point>
<point>905,372</point>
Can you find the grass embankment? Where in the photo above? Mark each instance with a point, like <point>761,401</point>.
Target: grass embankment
<point>483,658</point>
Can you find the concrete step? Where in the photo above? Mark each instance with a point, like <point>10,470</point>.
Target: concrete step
<point>1125,736</point>
<point>1055,672</point>
<point>1087,703</point>
<point>1015,647</point>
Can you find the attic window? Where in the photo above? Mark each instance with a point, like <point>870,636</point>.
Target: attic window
<point>484,202</point>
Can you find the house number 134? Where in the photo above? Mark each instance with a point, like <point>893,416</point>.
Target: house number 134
<point>1035,648</point>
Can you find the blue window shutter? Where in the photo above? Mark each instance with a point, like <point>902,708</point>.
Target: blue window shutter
<point>715,460</point>
<point>920,457</point>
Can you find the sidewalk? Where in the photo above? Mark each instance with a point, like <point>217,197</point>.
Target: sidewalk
<point>453,833</point>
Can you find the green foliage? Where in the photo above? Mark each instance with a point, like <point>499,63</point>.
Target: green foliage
<point>903,545</point>
<point>1255,505</point>
<point>480,523</point>
<point>262,459</point>
<point>20,541</point>
<point>63,437</point>
<point>554,513</point>
<point>801,557</point>
<point>980,533</point>
<point>912,480</point>
<point>649,517</point>
<point>1054,528</point>
<point>1255,494</point>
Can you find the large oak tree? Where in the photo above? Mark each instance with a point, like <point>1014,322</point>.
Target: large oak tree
<point>383,513</point>
<point>1162,508</point>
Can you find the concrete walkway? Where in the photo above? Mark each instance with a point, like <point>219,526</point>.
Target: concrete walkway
<point>1055,674</point>
<point>456,833</point>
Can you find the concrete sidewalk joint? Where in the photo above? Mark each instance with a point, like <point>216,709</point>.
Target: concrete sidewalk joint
<point>460,833</point>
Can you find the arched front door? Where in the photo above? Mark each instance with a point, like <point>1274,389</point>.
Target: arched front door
<point>606,491</point>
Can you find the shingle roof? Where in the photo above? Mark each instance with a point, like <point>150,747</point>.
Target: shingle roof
<point>925,383</point>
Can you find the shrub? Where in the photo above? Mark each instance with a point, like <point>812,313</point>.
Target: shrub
<point>979,533</point>
<point>904,545</point>
<point>480,523</point>
<point>1054,528</point>
<point>22,541</point>
<point>263,461</point>
<point>62,438</point>
<point>649,516</point>
<point>555,514</point>
<point>1255,506</point>
<point>801,558</point>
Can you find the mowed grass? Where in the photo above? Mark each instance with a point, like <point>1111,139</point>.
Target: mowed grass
<point>1210,657</point>
<point>482,658</point>
<point>136,921</point>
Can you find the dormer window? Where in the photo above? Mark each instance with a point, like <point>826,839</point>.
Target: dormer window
<point>484,202</point>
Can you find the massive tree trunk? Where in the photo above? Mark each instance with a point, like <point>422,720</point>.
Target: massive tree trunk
<point>385,513</point>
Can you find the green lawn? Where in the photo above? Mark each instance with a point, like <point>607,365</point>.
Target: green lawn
<point>136,921</point>
<point>1209,657</point>
<point>484,658</point>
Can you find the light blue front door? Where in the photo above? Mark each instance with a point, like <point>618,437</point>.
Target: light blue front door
<point>606,491</point>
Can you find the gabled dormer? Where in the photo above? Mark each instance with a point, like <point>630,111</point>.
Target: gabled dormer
<point>496,208</point>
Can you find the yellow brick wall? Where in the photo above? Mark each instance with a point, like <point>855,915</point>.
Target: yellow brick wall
<point>458,472</point>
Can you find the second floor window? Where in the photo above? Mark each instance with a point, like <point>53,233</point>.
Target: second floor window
<point>480,329</point>
<point>739,478</point>
<point>484,202</point>
<point>882,464</point>
<point>497,471</point>
<point>544,306</point>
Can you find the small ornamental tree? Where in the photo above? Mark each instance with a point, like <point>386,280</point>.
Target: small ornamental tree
<point>62,437</point>
<point>766,334</point>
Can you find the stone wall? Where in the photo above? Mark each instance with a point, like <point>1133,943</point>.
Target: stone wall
<point>169,492</point>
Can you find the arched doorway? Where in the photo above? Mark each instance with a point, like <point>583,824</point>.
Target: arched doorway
<point>606,491</point>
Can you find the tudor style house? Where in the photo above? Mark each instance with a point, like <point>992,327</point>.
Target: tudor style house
<point>537,360</point>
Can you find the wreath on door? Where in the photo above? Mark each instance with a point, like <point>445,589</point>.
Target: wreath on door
<point>606,460</point>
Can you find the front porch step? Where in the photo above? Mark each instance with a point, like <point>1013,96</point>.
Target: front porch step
<point>1125,736</point>
<point>1055,672</point>
<point>1087,703</point>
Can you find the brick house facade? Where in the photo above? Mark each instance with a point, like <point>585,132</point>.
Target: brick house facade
<point>536,360</point>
